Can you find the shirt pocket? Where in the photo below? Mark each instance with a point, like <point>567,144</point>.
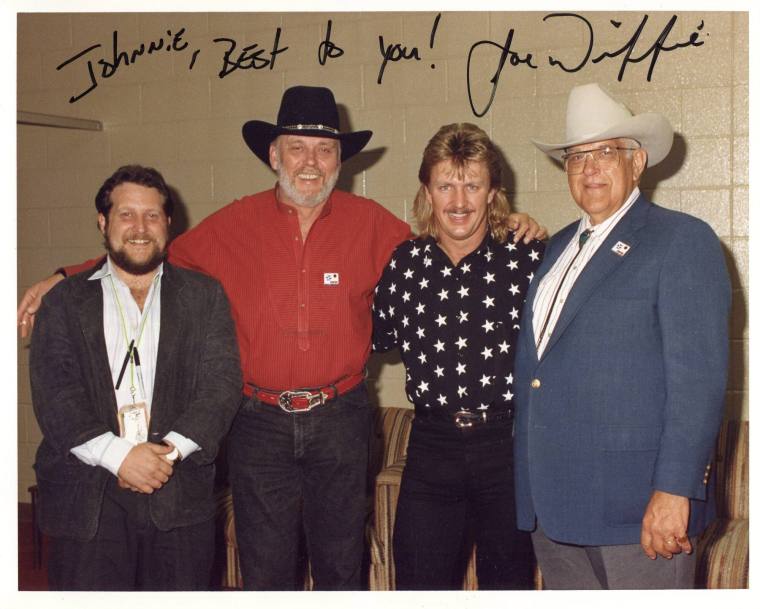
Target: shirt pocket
<point>328,296</point>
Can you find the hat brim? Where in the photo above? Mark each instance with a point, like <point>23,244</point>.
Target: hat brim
<point>651,130</point>
<point>259,135</point>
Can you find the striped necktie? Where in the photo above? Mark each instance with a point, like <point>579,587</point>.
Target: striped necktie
<point>582,238</point>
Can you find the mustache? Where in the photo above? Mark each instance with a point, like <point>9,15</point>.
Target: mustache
<point>310,171</point>
<point>139,237</point>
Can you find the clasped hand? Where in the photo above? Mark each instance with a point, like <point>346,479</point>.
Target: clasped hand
<point>145,468</point>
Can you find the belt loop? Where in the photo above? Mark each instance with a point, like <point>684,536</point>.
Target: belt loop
<point>335,389</point>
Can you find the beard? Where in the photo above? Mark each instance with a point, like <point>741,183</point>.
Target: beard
<point>290,190</point>
<point>134,267</point>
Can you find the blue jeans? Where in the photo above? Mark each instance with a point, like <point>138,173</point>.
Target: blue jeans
<point>295,475</point>
<point>457,488</point>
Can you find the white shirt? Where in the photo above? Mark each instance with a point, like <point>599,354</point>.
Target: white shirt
<point>552,281</point>
<point>109,450</point>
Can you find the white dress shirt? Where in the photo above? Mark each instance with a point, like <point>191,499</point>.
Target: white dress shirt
<point>109,450</point>
<point>571,261</point>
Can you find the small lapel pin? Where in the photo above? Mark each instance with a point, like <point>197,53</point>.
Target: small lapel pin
<point>620,248</point>
<point>331,279</point>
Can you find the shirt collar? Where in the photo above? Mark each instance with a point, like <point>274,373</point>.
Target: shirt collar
<point>479,253</point>
<point>484,246</point>
<point>107,269</point>
<point>602,227</point>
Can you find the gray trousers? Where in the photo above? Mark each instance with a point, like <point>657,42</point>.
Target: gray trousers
<point>623,567</point>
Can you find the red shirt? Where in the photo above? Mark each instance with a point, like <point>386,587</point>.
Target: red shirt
<point>302,310</point>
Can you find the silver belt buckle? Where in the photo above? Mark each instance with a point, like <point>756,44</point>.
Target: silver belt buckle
<point>466,418</point>
<point>313,400</point>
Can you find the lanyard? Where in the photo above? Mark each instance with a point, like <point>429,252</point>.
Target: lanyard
<point>132,356</point>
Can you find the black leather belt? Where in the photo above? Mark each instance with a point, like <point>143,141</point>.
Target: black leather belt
<point>465,419</point>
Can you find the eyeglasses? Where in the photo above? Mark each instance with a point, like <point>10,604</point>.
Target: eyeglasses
<point>606,157</point>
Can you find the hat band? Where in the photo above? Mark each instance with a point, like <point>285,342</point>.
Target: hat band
<point>302,127</point>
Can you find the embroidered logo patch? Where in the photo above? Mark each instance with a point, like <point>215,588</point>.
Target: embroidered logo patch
<point>332,279</point>
<point>620,248</point>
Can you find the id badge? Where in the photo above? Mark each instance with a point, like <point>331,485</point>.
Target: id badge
<point>133,423</point>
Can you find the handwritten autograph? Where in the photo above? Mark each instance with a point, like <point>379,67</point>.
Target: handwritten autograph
<point>103,63</point>
<point>627,49</point>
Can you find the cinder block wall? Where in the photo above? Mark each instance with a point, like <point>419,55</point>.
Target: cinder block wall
<point>186,122</point>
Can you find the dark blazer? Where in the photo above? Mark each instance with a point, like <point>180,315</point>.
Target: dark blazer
<point>196,393</point>
<point>628,394</point>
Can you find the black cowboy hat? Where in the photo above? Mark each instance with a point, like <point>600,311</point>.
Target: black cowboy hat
<point>309,111</point>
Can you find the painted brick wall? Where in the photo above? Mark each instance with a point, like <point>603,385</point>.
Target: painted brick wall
<point>186,122</point>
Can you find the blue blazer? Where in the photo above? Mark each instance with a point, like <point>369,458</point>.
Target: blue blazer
<point>628,395</point>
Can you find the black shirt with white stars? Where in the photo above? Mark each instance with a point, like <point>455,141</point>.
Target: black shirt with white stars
<point>456,326</point>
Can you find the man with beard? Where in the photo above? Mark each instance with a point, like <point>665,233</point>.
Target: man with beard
<point>299,263</point>
<point>135,380</point>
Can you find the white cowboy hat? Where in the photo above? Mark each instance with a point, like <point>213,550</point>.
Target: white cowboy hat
<point>592,116</point>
